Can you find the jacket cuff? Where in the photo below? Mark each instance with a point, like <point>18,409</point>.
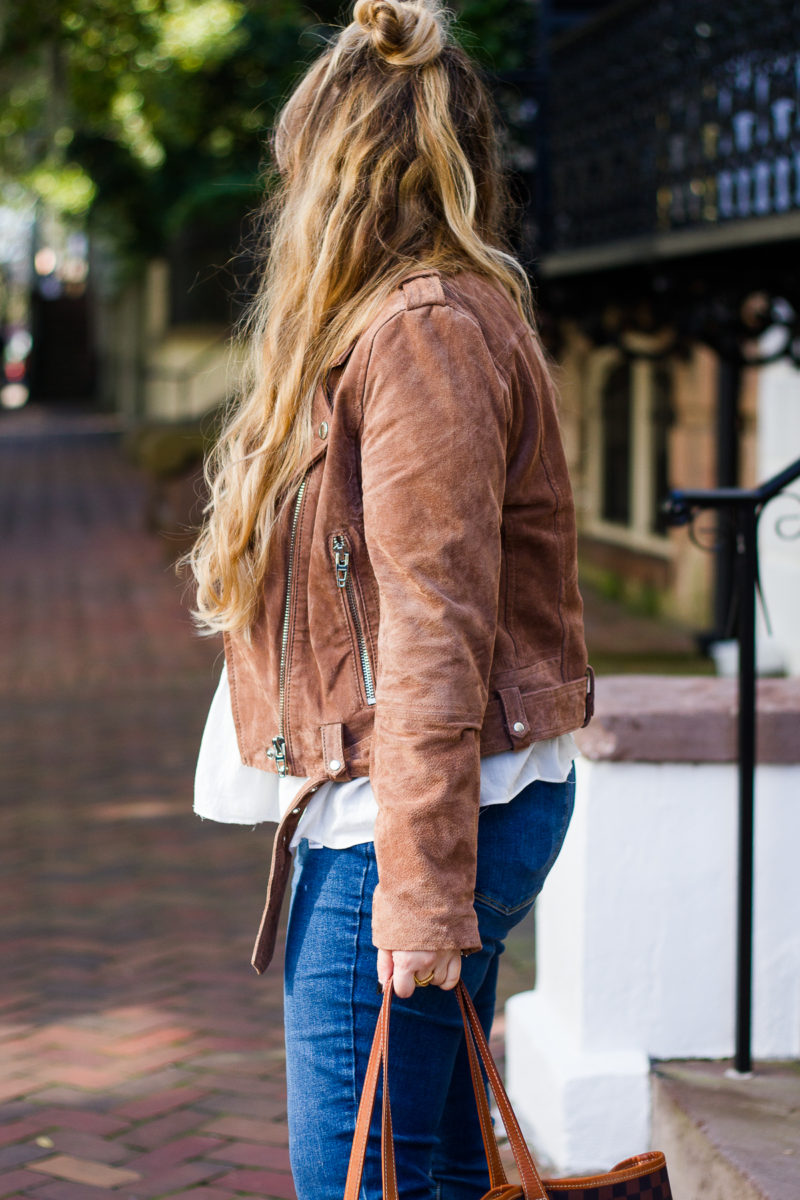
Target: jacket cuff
<point>414,928</point>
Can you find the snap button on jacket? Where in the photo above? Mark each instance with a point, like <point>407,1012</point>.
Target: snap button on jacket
<point>421,608</point>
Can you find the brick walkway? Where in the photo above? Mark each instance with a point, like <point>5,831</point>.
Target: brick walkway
<point>140,1055</point>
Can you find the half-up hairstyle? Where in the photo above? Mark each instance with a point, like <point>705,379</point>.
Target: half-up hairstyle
<point>387,161</point>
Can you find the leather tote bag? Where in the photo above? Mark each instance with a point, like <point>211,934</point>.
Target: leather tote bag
<point>643,1176</point>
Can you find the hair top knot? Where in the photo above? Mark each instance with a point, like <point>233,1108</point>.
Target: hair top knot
<point>406,33</point>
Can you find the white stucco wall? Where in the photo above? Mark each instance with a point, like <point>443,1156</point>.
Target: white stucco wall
<point>636,932</point>
<point>778,446</point>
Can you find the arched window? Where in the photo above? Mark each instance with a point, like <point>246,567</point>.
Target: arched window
<point>630,415</point>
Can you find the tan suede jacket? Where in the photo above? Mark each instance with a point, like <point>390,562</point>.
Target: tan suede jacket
<point>422,606</point>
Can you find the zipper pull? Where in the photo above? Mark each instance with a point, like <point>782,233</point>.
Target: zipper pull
<point>341,561</point>
<point>278,752</point>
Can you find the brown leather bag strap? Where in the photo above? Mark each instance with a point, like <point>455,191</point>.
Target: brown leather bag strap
<point>532,1186</point>
<point>388,1167</point>
<point>355,1168</point>
<point>497,1174</point>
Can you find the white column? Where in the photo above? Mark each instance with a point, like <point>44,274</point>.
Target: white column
<point>635,951</point>
<point>778,446</point>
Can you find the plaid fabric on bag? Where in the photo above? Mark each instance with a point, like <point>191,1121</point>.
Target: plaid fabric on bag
<point>654,1186</point>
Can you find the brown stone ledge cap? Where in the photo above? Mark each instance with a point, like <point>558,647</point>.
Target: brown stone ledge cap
<point>668,718</point>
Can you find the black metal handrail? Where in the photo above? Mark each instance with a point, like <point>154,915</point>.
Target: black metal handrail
<point>745,506</point>
<point>682,502</point>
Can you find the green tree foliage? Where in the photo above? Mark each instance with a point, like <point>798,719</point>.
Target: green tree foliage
<point>144,116</point>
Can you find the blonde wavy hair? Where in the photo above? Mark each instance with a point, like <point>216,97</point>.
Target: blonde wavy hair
<point>387,161</point>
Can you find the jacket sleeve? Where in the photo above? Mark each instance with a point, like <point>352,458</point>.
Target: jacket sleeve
<point>435,429</point>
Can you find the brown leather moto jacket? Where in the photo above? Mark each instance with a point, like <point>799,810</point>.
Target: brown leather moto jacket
<point>421,608</point>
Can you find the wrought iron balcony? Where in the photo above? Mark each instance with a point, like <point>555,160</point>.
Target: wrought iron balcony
<point>670,126</point>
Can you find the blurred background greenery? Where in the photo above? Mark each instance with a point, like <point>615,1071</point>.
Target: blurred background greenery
<point>143,118</point>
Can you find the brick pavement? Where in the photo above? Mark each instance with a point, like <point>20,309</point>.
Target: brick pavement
<point>140,1055</point>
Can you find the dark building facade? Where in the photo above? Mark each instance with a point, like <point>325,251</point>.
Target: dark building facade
<point>664,229</point>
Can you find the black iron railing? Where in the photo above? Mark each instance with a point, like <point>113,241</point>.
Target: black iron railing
<point>664,117</point>
<point>743,507</point>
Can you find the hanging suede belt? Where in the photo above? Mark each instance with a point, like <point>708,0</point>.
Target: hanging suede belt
<point>280,868</point>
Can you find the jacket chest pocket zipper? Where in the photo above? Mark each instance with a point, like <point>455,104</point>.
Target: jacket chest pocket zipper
<point>344,581</point>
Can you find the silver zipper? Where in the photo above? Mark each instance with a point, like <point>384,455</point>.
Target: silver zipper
<point>278,751</point>
<point>344,579</point>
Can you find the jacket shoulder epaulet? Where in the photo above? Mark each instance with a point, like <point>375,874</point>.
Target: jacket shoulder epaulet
<point>424,288</point>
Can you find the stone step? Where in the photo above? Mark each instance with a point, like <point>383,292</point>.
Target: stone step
<point>728,1138</point>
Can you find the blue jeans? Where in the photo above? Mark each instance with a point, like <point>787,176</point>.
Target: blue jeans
<point>331,1003</point>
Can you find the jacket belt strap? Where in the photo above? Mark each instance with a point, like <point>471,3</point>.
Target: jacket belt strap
<point>333,750</point>
<point>589,696</point>
<point>514,712</point>
<point>264,947</point>
<point>333,756</point>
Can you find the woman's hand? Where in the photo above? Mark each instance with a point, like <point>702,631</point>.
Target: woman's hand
<point>402,965</point>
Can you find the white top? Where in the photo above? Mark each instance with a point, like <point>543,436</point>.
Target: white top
<point>341,813</point>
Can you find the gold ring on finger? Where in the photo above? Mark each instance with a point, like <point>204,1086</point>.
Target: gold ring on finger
<point>424,982</point>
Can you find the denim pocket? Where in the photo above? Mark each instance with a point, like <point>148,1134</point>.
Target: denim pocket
<point>518,843</point>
